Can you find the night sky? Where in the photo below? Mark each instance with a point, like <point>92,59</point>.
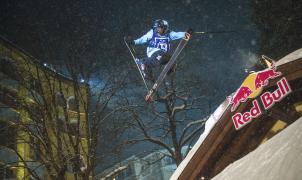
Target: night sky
<point>47,29</point>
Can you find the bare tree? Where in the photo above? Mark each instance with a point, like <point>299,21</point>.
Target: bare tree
<point>173,120</point>
<point>59,117</point>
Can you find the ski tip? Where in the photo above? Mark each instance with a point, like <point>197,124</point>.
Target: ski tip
<point>148,98</point>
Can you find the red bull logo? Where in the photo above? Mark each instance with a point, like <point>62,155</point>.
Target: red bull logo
<point>267,99</point>
<point>240,96</point>
<point>263,77</point>
<point>252,86</point>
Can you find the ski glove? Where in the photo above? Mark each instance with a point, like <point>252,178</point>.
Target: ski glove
<point>190,31</point>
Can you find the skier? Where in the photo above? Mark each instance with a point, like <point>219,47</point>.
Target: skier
<point>158,50</point>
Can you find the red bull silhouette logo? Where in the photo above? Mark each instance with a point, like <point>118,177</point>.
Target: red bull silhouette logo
<point>241,95</point>
<point>252,86</point>
<point>263,77</point>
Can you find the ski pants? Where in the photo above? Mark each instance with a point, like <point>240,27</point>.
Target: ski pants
<point>157,58</point>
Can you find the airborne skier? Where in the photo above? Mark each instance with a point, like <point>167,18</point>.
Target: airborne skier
<point>158,50</point>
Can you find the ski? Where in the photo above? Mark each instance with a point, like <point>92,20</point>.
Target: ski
<point>168,66</point>
<point>134,58</point>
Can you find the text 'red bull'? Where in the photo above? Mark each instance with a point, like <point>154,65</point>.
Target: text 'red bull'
<point>268,99</point>
<point>241,119</point>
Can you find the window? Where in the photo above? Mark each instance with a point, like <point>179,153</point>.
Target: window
<point>60,100</point>
<point>7,135</point>
<point>71,103</point>
<point>6,172</point>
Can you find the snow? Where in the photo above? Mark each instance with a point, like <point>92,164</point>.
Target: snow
<point>278,159</point>
<point>296,55</point>
<point>253,42</point>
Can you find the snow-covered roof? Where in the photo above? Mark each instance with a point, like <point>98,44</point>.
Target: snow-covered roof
<point>294,56</point>
<point>219,125</point>
<point>213,119</point>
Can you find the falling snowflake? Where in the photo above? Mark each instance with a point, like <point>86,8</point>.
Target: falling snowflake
<point>253,42</point>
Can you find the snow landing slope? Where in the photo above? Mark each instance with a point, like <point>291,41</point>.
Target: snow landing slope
<point>278,159</point>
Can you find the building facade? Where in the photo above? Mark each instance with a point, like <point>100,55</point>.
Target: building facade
<point>154,166</point>
<point>43,117</point>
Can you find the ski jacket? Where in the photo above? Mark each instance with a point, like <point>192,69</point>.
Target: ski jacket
<point>158,42</point>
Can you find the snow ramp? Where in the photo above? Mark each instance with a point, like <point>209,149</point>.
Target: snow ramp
<point>221,144</point>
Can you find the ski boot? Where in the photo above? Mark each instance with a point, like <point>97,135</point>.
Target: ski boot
<point>141,66</point>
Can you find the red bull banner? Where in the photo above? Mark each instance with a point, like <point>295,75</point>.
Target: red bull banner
<point>250,89</point>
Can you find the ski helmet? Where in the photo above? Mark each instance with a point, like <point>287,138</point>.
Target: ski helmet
<point>161,23</point>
